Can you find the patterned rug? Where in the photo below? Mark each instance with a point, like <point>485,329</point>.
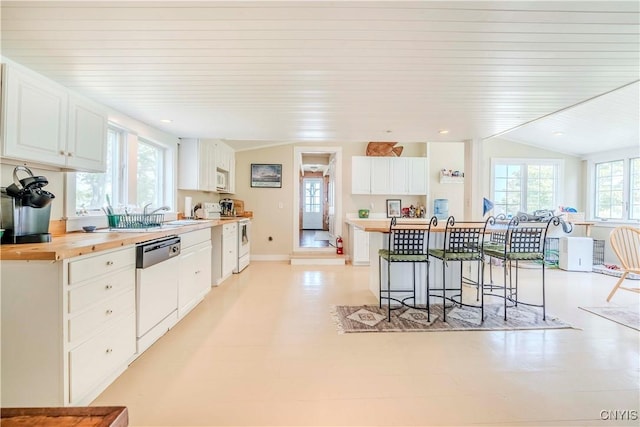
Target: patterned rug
<point>371,318</point>
<point>627,316</point>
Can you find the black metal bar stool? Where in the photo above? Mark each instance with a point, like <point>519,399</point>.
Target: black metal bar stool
<point>462,243</point>
<point>525,241</point>
<point>408,242</point>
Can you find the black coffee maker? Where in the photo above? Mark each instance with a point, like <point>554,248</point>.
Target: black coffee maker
<point>25,209</point>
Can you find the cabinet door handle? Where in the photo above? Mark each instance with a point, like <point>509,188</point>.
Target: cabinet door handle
<point>107,287</point>
<point>198,272</point>
<point>109,350</point>
<point>62,153</point>
<point>109,311</point>
<point>70,154</point>
<point>109,263</point>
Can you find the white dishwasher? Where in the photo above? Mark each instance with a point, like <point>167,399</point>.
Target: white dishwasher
<point>156,289</point>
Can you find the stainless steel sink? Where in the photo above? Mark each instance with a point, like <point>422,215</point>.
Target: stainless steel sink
<point>179,222</point>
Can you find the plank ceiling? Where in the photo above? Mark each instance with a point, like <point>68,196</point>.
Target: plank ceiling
<point>262,72</point>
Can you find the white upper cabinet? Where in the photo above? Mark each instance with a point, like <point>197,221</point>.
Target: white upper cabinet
<point>44,123</point>
<point>417,175</point>
<point>360,175</point>
<point>196,165</point>
<point>381,172</point>
<point>389,175</point>
<point>86,147</point>
<point>226,165</point>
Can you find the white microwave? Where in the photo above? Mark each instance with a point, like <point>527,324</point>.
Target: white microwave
<point>221,180</point>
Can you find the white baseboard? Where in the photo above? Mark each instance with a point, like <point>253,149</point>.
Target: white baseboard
<point>317,261</point>
<point>269,257</point>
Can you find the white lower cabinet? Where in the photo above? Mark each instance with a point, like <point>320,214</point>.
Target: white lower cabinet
<point>66,334</point>
<point>195,270</point>
<point>229,248</point>
<point>359,246</point>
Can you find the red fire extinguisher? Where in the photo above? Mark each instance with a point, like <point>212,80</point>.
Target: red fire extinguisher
<point>339,249</point>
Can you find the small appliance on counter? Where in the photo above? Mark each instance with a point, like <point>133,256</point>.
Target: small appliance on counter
<point>25,209</point>
<point>211,210</point>
<point>226,207</point>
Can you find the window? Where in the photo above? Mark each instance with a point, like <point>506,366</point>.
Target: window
<point>125,183</point>
<point>525,185</point>
<point>92,188</point>
<point>617,189</point>
<point>150,178</point>
<point>635,189</point>
<point>312,195</point>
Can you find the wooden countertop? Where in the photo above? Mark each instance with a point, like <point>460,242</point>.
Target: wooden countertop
<point>382,225</point>
<point>80,243</point>
<point>93,416</point>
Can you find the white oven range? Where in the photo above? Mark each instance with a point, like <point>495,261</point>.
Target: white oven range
<point>244,245</point>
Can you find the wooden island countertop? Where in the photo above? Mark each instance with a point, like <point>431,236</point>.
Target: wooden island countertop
<point>78,243</point>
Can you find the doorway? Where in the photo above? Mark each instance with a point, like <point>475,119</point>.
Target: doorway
<point>316,195</point>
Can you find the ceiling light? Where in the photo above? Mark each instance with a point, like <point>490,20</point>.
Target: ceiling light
<point>166,120</point>
<point>443,131</point>
<point>558,133</point>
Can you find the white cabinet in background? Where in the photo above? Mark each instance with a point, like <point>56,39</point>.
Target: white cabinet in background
<point>359,246</point>
<point>381,172</point>
<point>197,165</point>
<point>389,175</point>
<point>417,175</point>
<point>226,165</point>
<point>194,269</point>
<point>77,327</point>
<point>45,123</point>
<point>360,175</point>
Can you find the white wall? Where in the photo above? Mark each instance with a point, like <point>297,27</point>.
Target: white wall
<point>449,156</point>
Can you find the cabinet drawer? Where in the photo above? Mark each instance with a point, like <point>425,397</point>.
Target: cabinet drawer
<point>95,360</point>
<point>228,229</point>
<point>195,237</point>
<point>103,287</point>
<point>87,268</point>
<point>99,315</point>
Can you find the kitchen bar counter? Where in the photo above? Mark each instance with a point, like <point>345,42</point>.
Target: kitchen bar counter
<point>80,243</point>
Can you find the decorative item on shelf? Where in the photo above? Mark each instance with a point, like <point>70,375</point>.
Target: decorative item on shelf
<point>363,213</point>
<point>448,176</point>
<point>393,208</point>
<point>384,149</point>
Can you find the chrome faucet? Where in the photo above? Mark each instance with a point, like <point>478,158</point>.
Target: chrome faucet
<point>161,208</point>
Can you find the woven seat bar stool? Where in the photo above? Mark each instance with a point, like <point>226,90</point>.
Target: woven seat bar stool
<point>408,243</point>
<point>525,241</point>
<point>462,243</point>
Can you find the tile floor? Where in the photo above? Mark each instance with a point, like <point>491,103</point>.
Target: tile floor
<point>262,349</point>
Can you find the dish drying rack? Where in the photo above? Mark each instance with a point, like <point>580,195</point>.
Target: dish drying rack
<point>135,221</point>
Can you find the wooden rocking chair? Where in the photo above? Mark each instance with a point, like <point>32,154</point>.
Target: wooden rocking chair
<point>625,242</point>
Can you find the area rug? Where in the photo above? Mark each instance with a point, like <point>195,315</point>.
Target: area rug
<point>371,318</point>
<point>627,316</point>
<point>614,270</point>
<point>321,235</point>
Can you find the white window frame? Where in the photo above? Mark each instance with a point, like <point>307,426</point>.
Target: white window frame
<point>559,173</point>
<point>625,155</point>
<point>127,177</point>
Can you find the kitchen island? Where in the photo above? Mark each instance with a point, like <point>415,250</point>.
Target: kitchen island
<point>401,273</point>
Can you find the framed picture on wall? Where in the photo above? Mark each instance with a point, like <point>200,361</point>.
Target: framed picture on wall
<point>266,175</point>
<point>393,208</point>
